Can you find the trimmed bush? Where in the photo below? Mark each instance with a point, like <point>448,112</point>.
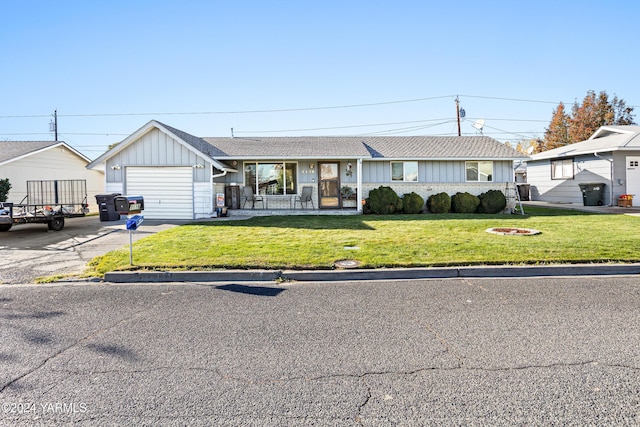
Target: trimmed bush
<point>464,203</point>
<point>492,202</point>
<point>5,186</point>
<point>383,201</point>
<point>439,203</point>
<point>412,203</point>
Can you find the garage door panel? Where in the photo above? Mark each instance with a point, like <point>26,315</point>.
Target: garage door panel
<point>167,191</point>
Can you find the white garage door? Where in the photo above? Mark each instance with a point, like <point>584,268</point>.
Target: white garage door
<point>167,192</point>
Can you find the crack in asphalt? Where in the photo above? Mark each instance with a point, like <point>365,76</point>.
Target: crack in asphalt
<point>361,376</point>
<point>448,348</point>
<point>358,417</point>
<point>80,341</point>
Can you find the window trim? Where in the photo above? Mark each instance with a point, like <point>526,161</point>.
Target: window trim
<point>256,166</point>
<point>404,172</point>
<point>478,162</point>
<point>562,166</point>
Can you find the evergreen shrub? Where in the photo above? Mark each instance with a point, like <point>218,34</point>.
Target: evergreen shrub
<point>383,201</point>
<point>5,186</point>
<point>492,202</point>
<point>412,203</point>
<point>439,203</point>
<point>464,203</point>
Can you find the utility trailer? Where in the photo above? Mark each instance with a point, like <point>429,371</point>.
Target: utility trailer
<point>47,202</point>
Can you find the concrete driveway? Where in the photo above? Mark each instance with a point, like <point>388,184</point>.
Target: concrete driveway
<point>30,251</point>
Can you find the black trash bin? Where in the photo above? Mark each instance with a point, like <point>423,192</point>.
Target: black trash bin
<point>592,193</point>
<point>523,191</point>
<point>107,207</point>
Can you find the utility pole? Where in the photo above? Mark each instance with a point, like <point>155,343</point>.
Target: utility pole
<point>53,126</point>
<point>458,114</point>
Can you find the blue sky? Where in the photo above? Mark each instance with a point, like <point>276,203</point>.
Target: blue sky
<point>335,66</point>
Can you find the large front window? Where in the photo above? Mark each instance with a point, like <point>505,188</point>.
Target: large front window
<point>404,171</point>
<point>479,171</point>
<point>271,178</point>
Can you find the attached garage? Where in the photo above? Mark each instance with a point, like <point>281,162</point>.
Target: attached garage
<point>172,170</point>
<point>167,191</point>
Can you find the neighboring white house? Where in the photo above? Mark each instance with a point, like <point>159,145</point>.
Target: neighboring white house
<point>22,161</point>
<point>180,176</point>
<point>611,156</point>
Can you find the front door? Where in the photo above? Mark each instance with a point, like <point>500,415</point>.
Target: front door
<point>633,178</point>
<point>329,185</point>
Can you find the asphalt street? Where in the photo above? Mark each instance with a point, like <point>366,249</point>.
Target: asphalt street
<point>464,351</point>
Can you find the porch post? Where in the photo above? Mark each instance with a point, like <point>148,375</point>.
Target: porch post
<point>359,184</point>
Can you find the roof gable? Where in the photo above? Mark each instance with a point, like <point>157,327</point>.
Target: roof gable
<point>14,150</point>
<point>194,143</point>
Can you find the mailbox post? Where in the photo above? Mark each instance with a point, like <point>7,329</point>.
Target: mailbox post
<point>131,206</point>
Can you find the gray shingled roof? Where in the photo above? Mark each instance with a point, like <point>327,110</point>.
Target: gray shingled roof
<point>13,149</point>
<point>393,147</point>
<point>299,147</point>
<point>198,143</point>
<point>607,139</point>
<point>439,147</point>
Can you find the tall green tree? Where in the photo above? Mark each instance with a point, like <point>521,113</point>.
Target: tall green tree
<point>557,134</point>
<point>596,110</point>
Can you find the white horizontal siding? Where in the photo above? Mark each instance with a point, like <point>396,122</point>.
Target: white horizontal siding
<point>167,191</point>
<point>54,163</point>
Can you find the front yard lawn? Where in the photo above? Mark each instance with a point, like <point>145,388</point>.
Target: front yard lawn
<point>317,242</point>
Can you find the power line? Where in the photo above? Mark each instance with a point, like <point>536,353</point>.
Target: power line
<point>280,110</point>
<point>283,110</point>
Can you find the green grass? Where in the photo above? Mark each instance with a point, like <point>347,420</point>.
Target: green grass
<point>317,242</point>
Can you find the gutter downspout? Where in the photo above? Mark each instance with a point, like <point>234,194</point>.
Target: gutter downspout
<point>213,176</point>
<point>359,186</point>
<point>595,153</point>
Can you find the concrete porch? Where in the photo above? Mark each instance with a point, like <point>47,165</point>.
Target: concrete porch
<point>283,212</point>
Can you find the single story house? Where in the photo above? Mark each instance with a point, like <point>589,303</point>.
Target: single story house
<point>611,156</point>
<point>183,176</point>
<point>22,161</point>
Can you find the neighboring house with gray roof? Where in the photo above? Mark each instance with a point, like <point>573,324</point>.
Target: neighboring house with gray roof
<point>611,156</point>
<point>22,161</point>
<point>181,176</point>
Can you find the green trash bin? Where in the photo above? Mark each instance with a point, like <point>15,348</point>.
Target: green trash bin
<point>592,193</point>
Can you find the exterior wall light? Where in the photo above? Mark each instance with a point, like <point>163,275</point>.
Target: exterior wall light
<point>349,169</point>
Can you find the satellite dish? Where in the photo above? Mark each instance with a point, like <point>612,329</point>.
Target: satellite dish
<point>530,150</point>
<point>478,124</point>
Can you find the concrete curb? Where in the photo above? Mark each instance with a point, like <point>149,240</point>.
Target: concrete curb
<point>372,274</point>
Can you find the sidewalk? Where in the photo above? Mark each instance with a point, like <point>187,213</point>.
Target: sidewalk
<point>396,273</point>
<point>635,211</point>
<point>373,274</point>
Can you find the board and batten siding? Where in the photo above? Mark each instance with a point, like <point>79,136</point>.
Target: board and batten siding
<point>155,148</point>
<point>586,169</point>
<point>432,171</point>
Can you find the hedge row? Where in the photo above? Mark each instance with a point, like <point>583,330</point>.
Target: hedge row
<point>385,201</point>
